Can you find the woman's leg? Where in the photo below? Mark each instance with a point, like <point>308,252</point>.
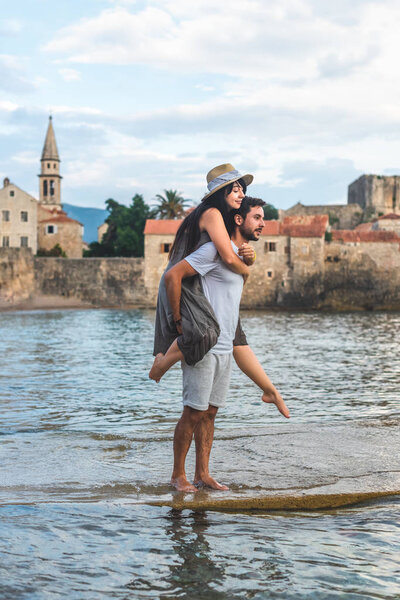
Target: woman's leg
<point>248,363</point>
<point>163,362</point>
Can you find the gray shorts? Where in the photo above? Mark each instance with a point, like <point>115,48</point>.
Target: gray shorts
<point>207,382</point>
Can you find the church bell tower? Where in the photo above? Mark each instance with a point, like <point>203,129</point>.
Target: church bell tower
<point>50,178</point>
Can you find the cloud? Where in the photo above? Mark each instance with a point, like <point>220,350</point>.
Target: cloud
<point>250,39</point>
<point>13,76</point>
<point>70,74</point>
<point>10,27</point>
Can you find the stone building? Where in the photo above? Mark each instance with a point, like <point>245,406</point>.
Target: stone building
<point>341,216</point>
<point>376,194</point>
<point>389,222</point>
<point>159,235</point>
<point>289,253</point>
<point>54,226</point>
<point>101,230</point>
<point>18,218</point>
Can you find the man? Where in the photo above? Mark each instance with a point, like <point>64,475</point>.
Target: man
<point>205,384</point>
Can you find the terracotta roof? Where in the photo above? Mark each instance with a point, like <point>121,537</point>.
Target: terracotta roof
<point>61,217</point>
<point>304,225</point>
<point>162,226</point>
<point>271,228</point>
<point>389,216</point>
<point>345,235</point>
<point>364,227</point>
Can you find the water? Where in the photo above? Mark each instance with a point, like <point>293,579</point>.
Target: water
<point>86,447</point>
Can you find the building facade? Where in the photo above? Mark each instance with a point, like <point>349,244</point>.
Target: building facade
<point>18,218</point>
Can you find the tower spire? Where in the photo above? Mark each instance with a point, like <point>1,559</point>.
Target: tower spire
<point>50,151</point>
<point>50,178</point>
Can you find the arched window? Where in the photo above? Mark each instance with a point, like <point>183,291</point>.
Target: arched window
<point>45,191</point>
<point>51,187</point>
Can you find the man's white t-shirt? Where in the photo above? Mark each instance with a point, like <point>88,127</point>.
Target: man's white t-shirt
<point>222,288</point>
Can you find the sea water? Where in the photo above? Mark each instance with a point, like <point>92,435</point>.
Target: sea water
<point>85,443</point>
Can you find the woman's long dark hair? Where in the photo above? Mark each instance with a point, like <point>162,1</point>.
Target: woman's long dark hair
<point>188,234</point>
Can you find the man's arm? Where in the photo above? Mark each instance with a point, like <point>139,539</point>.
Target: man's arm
<point>173,284</point>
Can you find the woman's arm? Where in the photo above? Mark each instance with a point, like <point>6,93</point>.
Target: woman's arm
<point>212,222</point>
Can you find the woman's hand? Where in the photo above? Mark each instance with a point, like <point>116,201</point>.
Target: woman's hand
<point>247,253</point>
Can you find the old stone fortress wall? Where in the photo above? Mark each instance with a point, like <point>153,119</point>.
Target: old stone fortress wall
<point>335,257</point>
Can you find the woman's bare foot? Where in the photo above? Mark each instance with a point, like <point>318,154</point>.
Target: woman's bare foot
<point>182,484</point>
<point>210,482</point>
<point>156,371</point>
<point>271,398</point>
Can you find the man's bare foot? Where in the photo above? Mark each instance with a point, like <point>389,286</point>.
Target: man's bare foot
<point>278,401</point>
<point>182,484</point>
<point>210,482</point>
<point>156,371</point>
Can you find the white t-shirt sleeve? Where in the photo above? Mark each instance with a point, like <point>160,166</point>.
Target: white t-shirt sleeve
<point>203,260</point>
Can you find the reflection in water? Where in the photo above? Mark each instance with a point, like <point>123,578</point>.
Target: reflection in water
<point>198,573</point>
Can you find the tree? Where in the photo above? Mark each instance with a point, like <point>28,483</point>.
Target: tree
<point>124,236</point>
<point>270,212</point>
<point>55,251</point>
<point>171,206</point>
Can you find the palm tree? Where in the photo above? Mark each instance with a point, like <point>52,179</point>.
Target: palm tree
<point>171,206</point>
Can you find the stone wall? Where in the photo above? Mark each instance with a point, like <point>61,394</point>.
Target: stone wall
<point>361,276</point>
<point>376,194</point>
<point>106,282</point>
<point>16,276</point>
<point>341,216</point>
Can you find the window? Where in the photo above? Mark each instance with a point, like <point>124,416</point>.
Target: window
<point>6,241</point>
<point>45,190</point>
<point>6,215</point>
<point>55,166</point>
<point>24,216</point>
<point>48,165</point>
<point>24,241</point>
<point>270,247</point>
<point>165,248</point>
<point>51,229</point>
<point>269,274</point>
<point>287,250</point>
<point>12,193</point>
<point>51,187</point>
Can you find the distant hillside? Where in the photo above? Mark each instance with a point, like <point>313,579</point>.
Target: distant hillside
<point>90,218</point>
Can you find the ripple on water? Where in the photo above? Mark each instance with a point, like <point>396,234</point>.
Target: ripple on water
<point>106,550</point>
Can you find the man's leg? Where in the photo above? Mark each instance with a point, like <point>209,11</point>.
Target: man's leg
<point>204,436</point>
<point>182,439</point>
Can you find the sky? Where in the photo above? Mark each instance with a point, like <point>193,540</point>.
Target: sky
<point>151,95</point>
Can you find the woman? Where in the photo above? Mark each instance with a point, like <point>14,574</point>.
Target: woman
<point>198,330</point>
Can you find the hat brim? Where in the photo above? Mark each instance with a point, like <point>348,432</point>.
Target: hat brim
<point>246,178</point>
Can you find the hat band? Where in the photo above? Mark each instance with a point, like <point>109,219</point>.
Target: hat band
<point>224,178</point>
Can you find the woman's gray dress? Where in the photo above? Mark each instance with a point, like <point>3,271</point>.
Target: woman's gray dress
<point>200,329</point>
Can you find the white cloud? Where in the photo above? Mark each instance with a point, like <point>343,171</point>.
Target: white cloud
<point>70,74</point>
<point>25,158</point>
<point>13,75</point>
<point>10,27</point>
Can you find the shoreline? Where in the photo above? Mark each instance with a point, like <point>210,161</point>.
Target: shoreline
<point>62,303</point>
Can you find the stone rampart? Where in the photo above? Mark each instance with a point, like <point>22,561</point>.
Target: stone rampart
<point>105,282</point>
<point>361,276</point>
<point>16,276</point>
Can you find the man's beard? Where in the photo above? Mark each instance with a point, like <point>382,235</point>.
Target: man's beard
<point>248,234</point>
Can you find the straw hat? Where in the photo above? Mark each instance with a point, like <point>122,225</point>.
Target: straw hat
<point>222,176</point>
